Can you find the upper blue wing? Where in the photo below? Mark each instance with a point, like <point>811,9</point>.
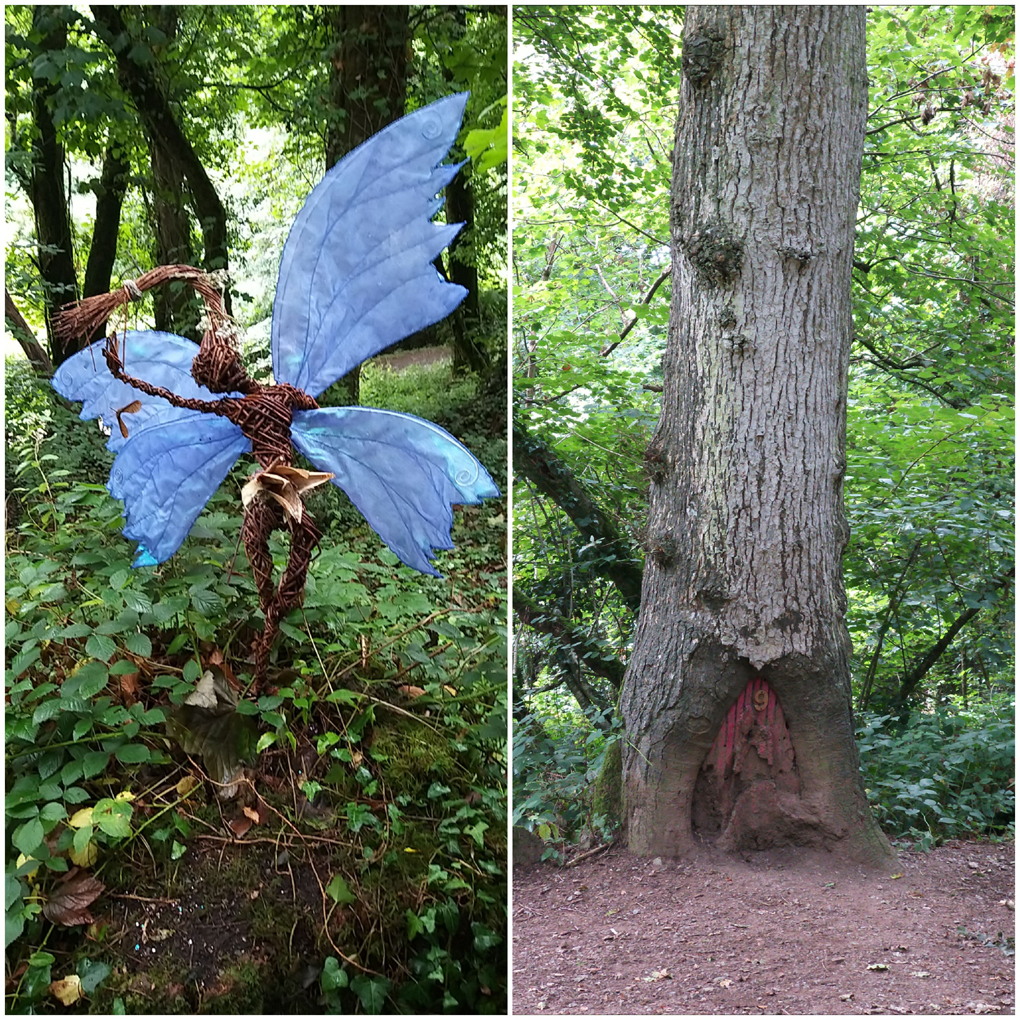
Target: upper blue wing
<point>356,274</point>
<point>166,473</point>
<point>172,460</point>
<point>162,359</point>
<point>403,473</point>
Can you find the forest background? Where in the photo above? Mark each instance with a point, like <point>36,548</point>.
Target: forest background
<point>929,482</point>
<point>365,870</point>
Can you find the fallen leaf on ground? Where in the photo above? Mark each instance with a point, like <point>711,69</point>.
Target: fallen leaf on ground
<point>129,687</point>
<point>239,826</point>
<point>186,785</point>
<point>67,990</point>
<point>68,905</point>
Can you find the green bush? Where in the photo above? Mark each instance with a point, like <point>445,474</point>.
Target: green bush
<point>370,634</point>
<point>557,759</point>
<point>943,775</point>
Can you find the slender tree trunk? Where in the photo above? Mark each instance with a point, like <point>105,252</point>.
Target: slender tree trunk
<point>46,188</point>
<point>16,323</point>
<point>368,91</point>
<point>113,183</point>
<point>139,81</point>
<point>176,309</point>
<point>736,703</point>
<point>460,208</point>
<point>103,250</point>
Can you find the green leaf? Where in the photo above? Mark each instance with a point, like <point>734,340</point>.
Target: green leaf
<point>101,647</point>
<point>92,974</point>
<point>133,754</point>
<point>113,817</point>
<point>28,837</point>
<point>339,891</point>
<point>139,644</point>
<point>334,977</point>
<point>95,762</point>
<point>371,991</point>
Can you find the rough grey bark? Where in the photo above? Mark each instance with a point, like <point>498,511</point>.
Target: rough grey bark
<point>746,520</point>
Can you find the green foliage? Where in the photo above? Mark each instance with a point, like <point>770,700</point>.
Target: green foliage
<point>376,649</point>
<point>558,755</point>
<point>943,775</point>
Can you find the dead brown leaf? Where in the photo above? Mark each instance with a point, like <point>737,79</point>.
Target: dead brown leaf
<point>67,990</point>
<point>240,825</point>
<point>68,904</point>
<point>129,687</point>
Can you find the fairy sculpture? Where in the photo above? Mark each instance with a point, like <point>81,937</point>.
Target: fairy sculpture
<point>356,276</point>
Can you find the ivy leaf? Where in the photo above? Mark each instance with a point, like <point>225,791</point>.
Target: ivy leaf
<point>371,991</point>
<point>339,891</point>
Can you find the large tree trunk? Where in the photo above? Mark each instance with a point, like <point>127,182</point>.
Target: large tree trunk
<point>737,698</point>
<point>367,92</point>
<point>46,187</point>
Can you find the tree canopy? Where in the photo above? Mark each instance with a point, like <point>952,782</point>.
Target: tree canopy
<point>192,134</point>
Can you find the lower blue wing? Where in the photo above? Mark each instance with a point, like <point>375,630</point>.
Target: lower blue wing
<point>403,473</point>
<point>166,472</point>
<point>162,359</point>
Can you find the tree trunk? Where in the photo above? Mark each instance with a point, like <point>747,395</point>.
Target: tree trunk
<point>109,198</point>
<point>368,91</point>
<point>138,79</point>
<point>736,702</point>
<point>176,309</point>
<point>22,332</point>
<point>553,478</point>
<point>46,189</point>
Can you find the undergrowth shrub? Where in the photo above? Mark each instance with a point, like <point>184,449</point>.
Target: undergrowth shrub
<point>557,758</point>
<point>946,774</point>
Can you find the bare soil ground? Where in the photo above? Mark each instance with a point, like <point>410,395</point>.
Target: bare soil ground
<point>771,933</point>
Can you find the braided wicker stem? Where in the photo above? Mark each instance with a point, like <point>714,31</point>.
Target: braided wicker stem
<point>263,414</point>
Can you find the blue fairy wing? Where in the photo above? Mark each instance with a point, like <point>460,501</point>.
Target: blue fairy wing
<point>166,472</point>
<point>403,473</point>
<point>356,273</point>
<point>162,359</point>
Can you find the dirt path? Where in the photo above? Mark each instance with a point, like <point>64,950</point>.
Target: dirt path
<point>772,935</point>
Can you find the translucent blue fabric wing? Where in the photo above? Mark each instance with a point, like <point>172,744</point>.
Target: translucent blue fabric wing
<point>162,359</point>
<point>403,473</point>
<point>356,274</point>
<point>165,474</point>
